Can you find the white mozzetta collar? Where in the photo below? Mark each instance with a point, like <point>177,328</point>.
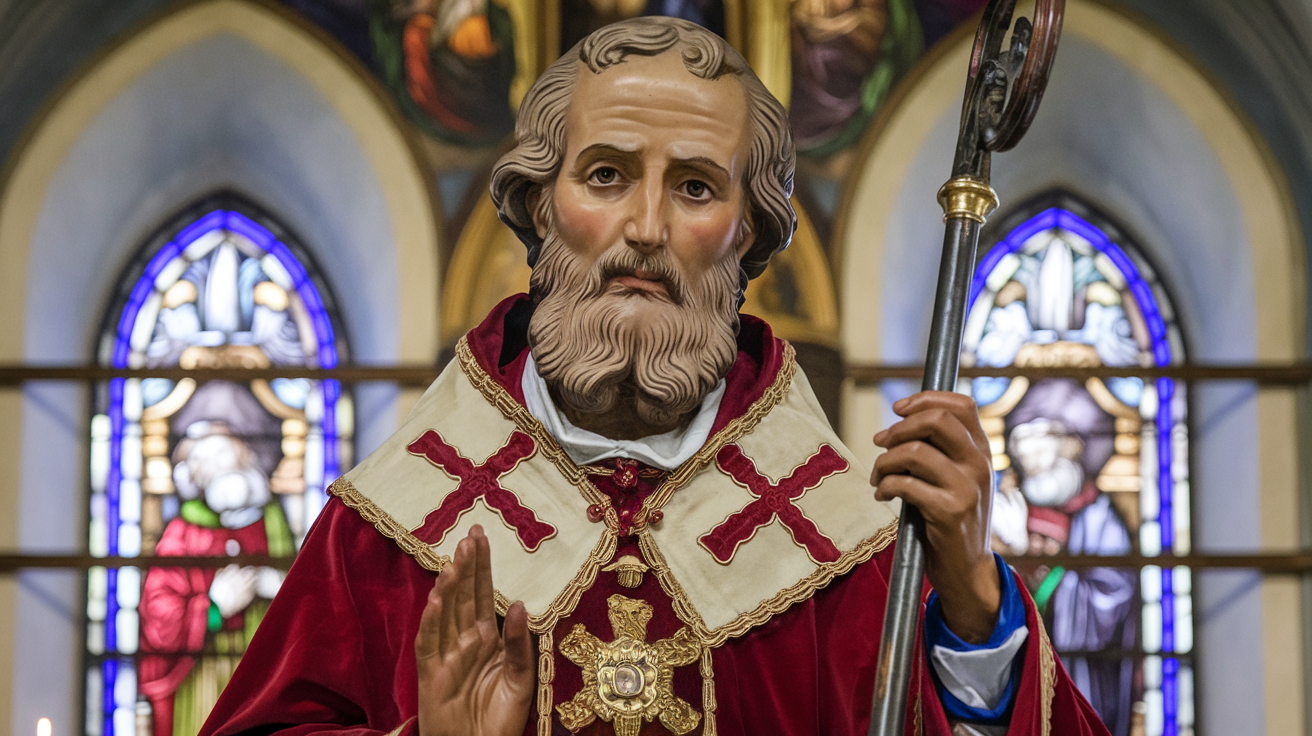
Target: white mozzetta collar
<point>665,451</point>
<point>769,509</point>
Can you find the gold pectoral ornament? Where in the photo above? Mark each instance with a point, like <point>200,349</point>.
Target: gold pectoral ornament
<point>628,681</point>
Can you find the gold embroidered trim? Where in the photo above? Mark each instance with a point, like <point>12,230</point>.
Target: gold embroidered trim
<point>602,470</point>
<point>769,608</point>
<point>708,693</point>
<point>513,411</point>
<point>430,560</point>
<point>568,597</point>
<point>389,527</point>
<point>500,514</point>
<point>701,541</point>
<point>1047,680</point>
<point>731,432</point>
<point>546,673</point>
<point>920,720</point>
<point>397,731</point>
<point>629,680</point>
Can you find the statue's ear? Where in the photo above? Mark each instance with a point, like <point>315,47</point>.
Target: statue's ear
<point>533,202</point>
<point>748,237</point>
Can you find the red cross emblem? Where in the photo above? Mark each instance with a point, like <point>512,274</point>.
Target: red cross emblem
<point>480,481</point>
<point>773,501</point>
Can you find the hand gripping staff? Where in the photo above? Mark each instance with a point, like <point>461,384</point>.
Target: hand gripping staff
<point>1003,92</point>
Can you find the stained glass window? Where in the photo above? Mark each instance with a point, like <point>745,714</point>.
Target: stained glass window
<point>214,468</point>
<point>1096,467</point>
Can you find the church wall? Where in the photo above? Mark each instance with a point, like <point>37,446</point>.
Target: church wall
<point>224,96</point>
<point>98,179</point>
<point>1259,51</point>
<point>44,44</point>
<point>1169,171</point>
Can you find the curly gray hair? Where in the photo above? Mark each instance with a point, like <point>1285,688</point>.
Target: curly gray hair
<point>535,160</point>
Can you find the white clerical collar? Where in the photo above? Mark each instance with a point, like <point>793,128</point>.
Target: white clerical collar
<point>665,451</point>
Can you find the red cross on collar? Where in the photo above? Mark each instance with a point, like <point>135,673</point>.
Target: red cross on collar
<point>480,481</point>
<point>773,501</point>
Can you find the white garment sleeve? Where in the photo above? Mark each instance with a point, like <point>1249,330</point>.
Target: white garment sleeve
<point>979,677</point>
<point>975,729</point>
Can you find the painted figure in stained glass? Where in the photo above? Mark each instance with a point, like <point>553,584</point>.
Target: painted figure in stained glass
<point>1059,439</point>
<point>939,17</point>
<point>221,475</point>
<point>1077,461</point>
<point>578,18</point>
<point>449,63</point>
<point>847,55</point>
<point>218,468</point>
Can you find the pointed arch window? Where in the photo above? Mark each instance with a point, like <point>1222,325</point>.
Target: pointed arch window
<point>203,468</point>
<point>1097,467</point>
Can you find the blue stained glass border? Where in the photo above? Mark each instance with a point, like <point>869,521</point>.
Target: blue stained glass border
<point>1061,218</point>
<point>219,219</point>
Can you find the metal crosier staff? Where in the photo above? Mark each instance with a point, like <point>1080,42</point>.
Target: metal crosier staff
<point>1002,94</point>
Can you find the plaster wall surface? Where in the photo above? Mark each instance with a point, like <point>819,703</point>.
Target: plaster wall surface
<point>1107,135</point>
<point>219,114</point>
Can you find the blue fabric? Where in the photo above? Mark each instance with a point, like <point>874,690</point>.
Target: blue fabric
<point>1011,616</point>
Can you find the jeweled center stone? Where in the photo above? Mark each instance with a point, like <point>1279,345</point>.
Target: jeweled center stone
<point>628,681</point>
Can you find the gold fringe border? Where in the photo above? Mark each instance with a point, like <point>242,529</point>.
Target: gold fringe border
<point>708,693</point>
<point>430,560</point>
<point>605,549</point>
<point>397,731</point>
<point>390,528</point>
<point>679,477</point>
<point>546,674</point>
<point>516,413</point>
<point>920,716</point>
<point>569,596</point>
<point>740,426</point>
<point>1047,680</point>
<point>768,608</point>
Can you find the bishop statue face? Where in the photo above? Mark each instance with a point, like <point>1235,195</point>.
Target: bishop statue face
<point>643,228</point>
<point>650,180</point>
<point>654,161</point>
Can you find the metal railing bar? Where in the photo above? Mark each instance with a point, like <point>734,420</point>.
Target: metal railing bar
<point>1266,562</point>
<point>406,375</point>
<point>10,563</point>
<point>1274,563</point>
<point>1271,374</point>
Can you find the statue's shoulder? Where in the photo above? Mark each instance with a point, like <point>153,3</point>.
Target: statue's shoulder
<point>779,509</point>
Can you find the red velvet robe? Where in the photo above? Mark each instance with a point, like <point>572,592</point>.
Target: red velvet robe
<point>335,653</point>
<point>175,606</point>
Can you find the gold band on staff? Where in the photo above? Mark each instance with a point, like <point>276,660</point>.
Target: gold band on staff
<point>965,197</point>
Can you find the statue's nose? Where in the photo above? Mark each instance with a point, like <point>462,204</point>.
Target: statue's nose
<point>645,228</point>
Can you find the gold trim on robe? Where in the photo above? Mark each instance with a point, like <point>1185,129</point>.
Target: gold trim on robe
<point>771,570</point>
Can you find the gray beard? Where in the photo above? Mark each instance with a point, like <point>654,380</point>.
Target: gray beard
<point>593,343</point>
<point>1055,486</point>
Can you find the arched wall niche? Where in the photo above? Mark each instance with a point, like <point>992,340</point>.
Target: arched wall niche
<point>1134,128</point>
<point>218,95</point>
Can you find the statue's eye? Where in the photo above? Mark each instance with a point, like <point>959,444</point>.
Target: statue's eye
<point>605,175</point>
<point>697,189</point>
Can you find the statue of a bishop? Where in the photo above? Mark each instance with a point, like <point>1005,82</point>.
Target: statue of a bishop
<point>620,510</point>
